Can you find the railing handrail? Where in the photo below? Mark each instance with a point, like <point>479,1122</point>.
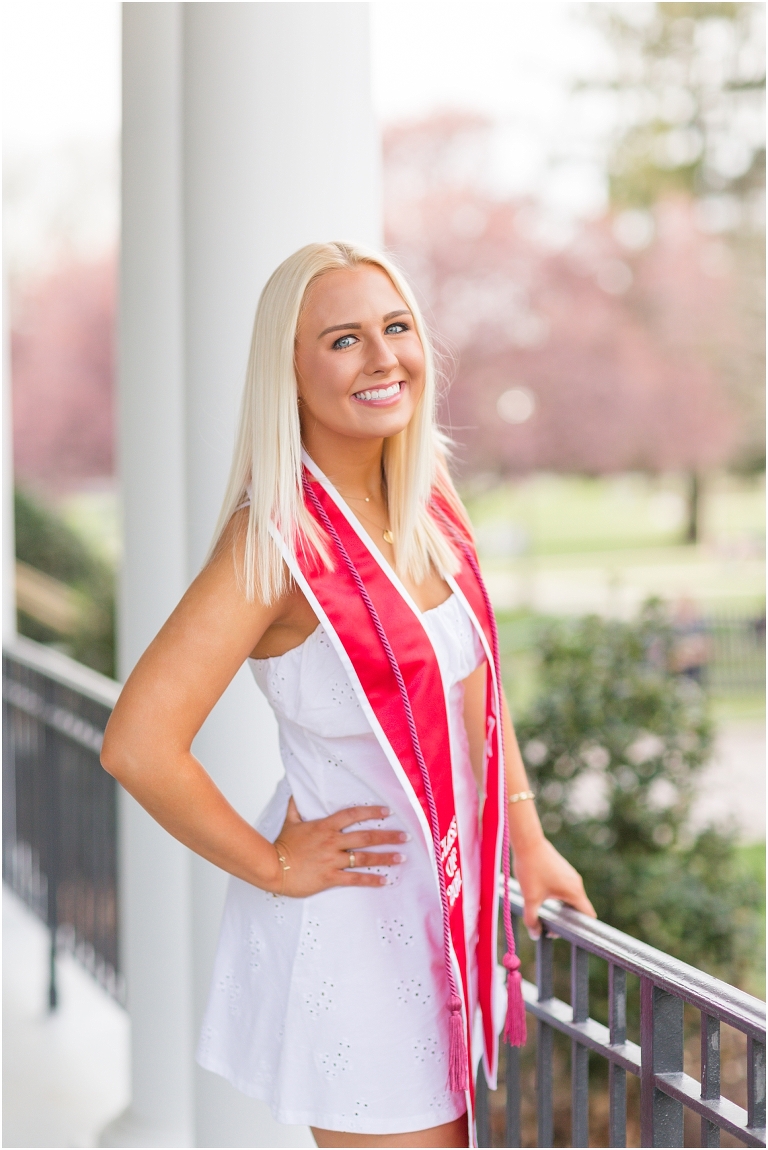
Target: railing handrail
<point>665,983</point>
<point>717,998</point>
<point>64,670</point>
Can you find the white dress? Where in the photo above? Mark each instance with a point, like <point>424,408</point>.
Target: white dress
<point>334,1008</point>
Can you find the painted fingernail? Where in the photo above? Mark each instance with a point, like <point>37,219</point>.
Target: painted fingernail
<point>399,858</point>
<point>404,837</point>
<point>533,937</point>
<point>385,812</point>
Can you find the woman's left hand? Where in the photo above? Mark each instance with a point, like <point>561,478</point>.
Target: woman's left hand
<point>543,873</point>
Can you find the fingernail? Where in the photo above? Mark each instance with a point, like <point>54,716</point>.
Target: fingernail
<point>399,858</point>
<point>385,812</point>
<point>404,837</point>
<point>533,937</point>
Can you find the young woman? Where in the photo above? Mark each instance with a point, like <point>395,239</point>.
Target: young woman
<point>354,986</point>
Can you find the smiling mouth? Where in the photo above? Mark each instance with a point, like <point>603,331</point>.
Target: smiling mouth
<point>380,393</point>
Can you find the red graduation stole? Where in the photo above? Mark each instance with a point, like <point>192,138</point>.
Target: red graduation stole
<point>376,629</point>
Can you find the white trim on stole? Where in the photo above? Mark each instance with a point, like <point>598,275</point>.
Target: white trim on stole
<point>370,714</point>
<point>357,527</point>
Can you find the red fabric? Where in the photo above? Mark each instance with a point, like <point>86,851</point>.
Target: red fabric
<point>492,820</point>
<point>341,600</point>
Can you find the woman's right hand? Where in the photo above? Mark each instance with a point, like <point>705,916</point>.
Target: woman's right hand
<point>317,852</point>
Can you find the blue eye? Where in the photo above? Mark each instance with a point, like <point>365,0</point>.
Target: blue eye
<point>344,341</point>
<point>400,327</point>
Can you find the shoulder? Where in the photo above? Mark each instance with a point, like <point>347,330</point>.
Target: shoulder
<point>233,553</point>
<point>231,543</point>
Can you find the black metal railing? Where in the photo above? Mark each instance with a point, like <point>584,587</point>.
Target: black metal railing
<point>666,985</point>
<point>60,807</point>
<point>736,656</point>
<point>60,856</point>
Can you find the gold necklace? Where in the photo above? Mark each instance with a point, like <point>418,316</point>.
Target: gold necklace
<point>386,534</point>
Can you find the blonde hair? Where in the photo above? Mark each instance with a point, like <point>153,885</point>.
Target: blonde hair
<point>267,464</point>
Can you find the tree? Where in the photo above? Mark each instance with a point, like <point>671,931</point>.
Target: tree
<point>44,542</point>
<point>689,81</point>
<point>605,339</point>
<point>62,363</point>
<point>614,743</point>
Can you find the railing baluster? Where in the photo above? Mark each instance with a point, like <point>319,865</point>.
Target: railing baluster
<point>59,810</point>
<point>512,1054</point>
<point>482,1113</point>
<point>755,1083</point>
<point>579,1053</point>
<point>661,1041</point>
<point>710,1074</point>
<point>52,821</point>
<point>617,1075</point>
<point>544,1043</point>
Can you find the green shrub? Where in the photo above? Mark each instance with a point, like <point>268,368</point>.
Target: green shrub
<point>46,543</point>
<point>613,744</point>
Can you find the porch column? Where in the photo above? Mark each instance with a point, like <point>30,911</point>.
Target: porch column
<point>247,132</point>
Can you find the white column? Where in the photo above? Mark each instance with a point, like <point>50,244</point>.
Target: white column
<point>267,111</point>
<point>247,132</point>
<point>155,872</point>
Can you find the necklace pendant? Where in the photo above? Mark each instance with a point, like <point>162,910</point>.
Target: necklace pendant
<point>388,536</point>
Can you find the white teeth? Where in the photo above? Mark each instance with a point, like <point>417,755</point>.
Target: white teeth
<point>380,393</point>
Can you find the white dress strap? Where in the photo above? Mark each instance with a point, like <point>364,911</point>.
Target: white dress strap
<point>246,501</point>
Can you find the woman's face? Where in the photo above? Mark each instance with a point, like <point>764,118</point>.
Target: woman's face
<point>359,360</point>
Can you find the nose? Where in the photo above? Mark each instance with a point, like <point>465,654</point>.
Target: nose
<point>381,359</point>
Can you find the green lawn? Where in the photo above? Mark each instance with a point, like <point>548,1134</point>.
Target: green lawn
<point>569,545</point>
<point>547,514</point>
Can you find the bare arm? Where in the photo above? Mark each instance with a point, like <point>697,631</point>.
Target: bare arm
<point>541,871</point>
<point>148,740</point>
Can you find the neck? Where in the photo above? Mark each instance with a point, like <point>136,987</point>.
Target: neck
<point>353,466</point>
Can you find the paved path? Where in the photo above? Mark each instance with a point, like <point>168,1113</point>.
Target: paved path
<point>618,583</point>
<point>732,787</point>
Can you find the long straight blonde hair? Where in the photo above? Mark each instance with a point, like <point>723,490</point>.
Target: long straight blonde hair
<point>267,467</point>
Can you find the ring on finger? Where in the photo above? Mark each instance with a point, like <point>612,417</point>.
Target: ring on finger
<point>351,862</point>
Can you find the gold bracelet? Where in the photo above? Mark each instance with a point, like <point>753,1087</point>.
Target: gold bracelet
<point>283,860</point>
<point>521,796</point>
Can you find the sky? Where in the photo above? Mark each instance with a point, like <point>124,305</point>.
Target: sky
<point>511,60</point>
<point>514,62</point>
<point>60,72</point>
<point>61,124</point>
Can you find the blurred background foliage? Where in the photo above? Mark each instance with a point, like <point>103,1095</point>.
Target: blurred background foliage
<point>692,81</point>
<point>606,406</point>
<point>73,608</point>
<point>614,742</point>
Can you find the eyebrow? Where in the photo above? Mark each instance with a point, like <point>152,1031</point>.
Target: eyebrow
<point>358,326</point>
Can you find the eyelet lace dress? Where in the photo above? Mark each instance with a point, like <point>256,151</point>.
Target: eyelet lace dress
<point>333,1008</point>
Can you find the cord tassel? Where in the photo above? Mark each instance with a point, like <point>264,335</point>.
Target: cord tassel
<point>515,1032</point>
<point>457,1050</point>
